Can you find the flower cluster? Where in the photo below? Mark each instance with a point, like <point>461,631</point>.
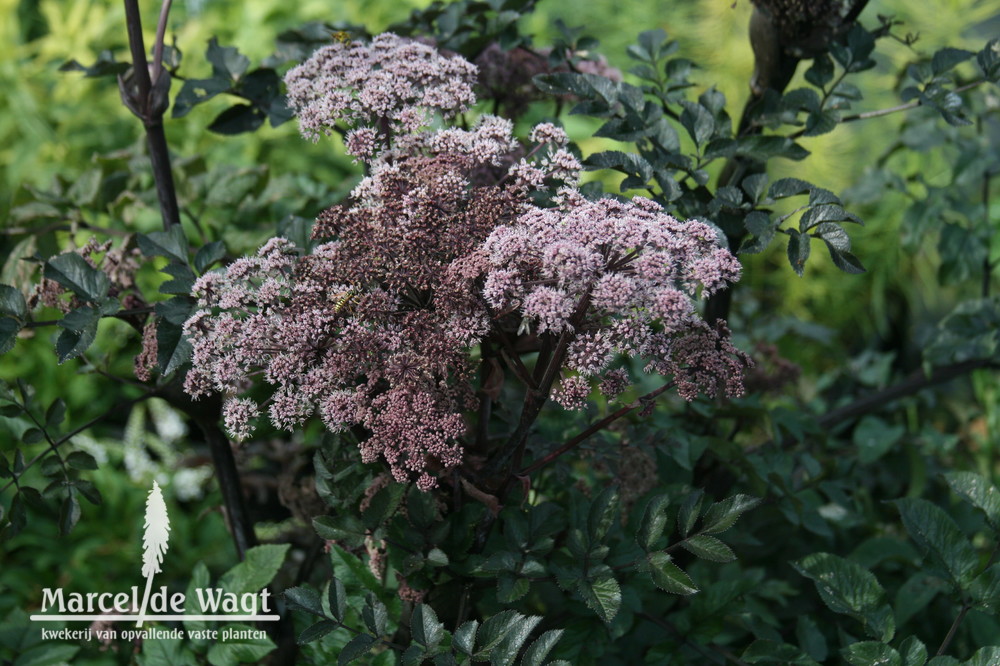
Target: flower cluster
<point>620,279</point>
<point>439,249</point>
<point>392,80</point>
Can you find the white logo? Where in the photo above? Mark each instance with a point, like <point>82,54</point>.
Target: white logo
<point>158,605</point>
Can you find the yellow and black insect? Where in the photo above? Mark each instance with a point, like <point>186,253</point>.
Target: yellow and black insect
<point>341,36</point>
<point>343,301</point>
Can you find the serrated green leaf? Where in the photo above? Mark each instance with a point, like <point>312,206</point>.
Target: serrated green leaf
<point>798,250</point>
<point>55,414</point>
<point>69,513</point>
<point>81,460</point>
<point>914,652</point>
<point>9,328</point>
<point>208,254</point>
<point>343,527</point>
<point>987,656</point>
<point>874,437</point>
<point>723,515</point>
<point>316,631</point>
<point>847,587</point>
<point>708,548</point>
<point>173,349</point>
<point>73,272</point>
<point>764,651</point>
<point>258,568</point>
<point>602,514</point>
<point>12,303</point>
<point>940,539</point>
<point>539,649</point>
<point>668,576</point>
<point>978,491</point>
<point>464,638</point>
<point>654,521</point>
<point>505,653</point>
<point>494,630</point>
<point>425,626</point>
<point>375,615</point>
<point>337,599</point>
<point>788,187</point>
<point>811,639</point>
<point>511,588</point>
<point>303,598</point>
<point>358,646</point>
<point>947,58</point>
<point>171,244</point>
<point>689,511</point>
<point>871,653</point>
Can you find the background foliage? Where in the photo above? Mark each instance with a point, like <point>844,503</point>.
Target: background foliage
<point>871,500</point>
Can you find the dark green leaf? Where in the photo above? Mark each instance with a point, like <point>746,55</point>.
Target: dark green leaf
<point>182,282</point>
<point>914,652</point>
<point>602,514</point>
<point>9,328</point>
<point>511,588</point>
<point>690,509</point>
<point>788,187</point>
<point>798,250</point>
<point>343,527</point>
<point>32,436</point>
<point>940,539</point>
<point>80,331</point>
<point>708,548</point>
<point>208,254</point>
<point>760,225</point>
<point>337,598</point>
<point>539,649</point>
<point>357,647</point>
<point>764,651</point>
<point>505,653</point>
<point>89,491</point>
<point>464,638</point>
<point>495,629</point>
<point>987,656</point>
<point>81,460</point>
<point>848,588</point>
<point>173,349</point>
<point>654,520</point>
<point>55,414</point>
<point>989,59</point>
<point>874,437</point>
<point>698,122</point>
<point>755,186</point>
<point>69,513</point>
<point>374,615</point>
<point>870,653</point>
<point>723,515</point>
<point>425,626</point>
<point>237,119</point>
<point>978,491</point>
<point>668,576</point>
<point>821,72</point>
<point>197,91</point>
<point>811,639</point>
<point>73,272</point>
<point>763,148</point>
<point>383,505</point>
<point>12,303</point>
<point>304,599</point>
<point>316,631</point>
<point>171,244</point>
<point>226,61</point>
<point>947,58</point>
<point>821,122</point>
